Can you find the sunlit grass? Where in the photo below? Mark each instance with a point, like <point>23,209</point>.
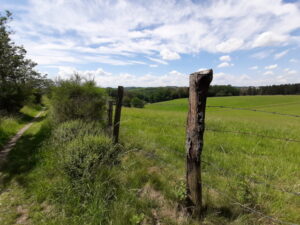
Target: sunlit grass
<point>239,161</point>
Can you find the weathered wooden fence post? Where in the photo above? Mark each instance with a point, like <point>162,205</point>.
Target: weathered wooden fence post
<point>118,114</point>
<point>110,112</point>
<point>199,84</point>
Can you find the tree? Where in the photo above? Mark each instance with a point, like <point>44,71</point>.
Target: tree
<point>138,103</point>
<point>126,101</point>
<point>18,79</point>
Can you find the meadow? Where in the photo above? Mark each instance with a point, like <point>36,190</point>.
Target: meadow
<point>239,170</point>
<point>71,172</point>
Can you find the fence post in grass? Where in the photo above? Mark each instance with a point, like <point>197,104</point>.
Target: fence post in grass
<point>199,84</point>
<point>118,114</point>
<point>110,112</point>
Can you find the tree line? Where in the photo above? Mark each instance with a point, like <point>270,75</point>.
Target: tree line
<point>137,96</point>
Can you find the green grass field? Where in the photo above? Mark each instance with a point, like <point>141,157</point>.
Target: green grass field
<point>50,177</point>
<point>257,172</point>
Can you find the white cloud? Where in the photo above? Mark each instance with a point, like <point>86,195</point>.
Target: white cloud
<point>106,79</point>
<point>175,78</point>
<point>225,58</point>
<point>290,71</point>
<point>57,31</point>
<point>169,55</point>
<point>293,60</point>
<point>262,54</point>
<point>269,39</point>
<point>253,68</point>
<point>271,67</point>
<point>280,54</point>
<point>225,64</point>
<point>269,72</point>
<point>230,45</point>
<point>158,60</point>
<point>153,65</point>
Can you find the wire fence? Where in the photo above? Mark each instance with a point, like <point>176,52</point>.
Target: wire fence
<point>252,134</point>
<point>253,110</point>
<point>227,173</point>
<point>228,131</point>
<point>262,215</point>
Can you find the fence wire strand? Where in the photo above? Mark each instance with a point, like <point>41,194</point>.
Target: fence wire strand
<point>152,155</point>
<point>249,208</point>
<point>253,110</point>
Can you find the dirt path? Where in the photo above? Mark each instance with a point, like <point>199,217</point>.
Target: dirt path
<point>9,146</point>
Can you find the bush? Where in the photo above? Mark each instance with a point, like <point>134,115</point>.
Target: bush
<point>126,101</point>
<point>77,99</point>
<point>82,148</point>
<point>138,103</point>
<point>82,157</point>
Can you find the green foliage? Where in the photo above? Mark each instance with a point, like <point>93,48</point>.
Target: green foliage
<point>77,99</point>
<point>180,191</point>
<point>137,219</point>
<point>137,103</point>
<point>126,101</point>
<point>223,90</point>
<point>81,157</point>
<point>19,82</point>
<point>11,123</point>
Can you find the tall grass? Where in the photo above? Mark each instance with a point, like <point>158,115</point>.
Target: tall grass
<point>11,123</point>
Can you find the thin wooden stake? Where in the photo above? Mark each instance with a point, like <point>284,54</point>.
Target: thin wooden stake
<point>199,84</point>
<point>118,114</point>
<point>110,113</point>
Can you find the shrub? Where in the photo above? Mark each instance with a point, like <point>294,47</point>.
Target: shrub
<point>81,157</point>
<point>82,147</point>
<point>138,103</point>
<point>70,130</point>
<point>77,99</point>
<point>126,101</point>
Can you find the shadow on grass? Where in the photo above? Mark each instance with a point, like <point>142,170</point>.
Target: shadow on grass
<point>222,211</point>
<point>24,156</point>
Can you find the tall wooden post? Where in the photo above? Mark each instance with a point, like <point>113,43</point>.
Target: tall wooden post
<point>118,114</point>
<point>110,113</point>
<point>199,84</point>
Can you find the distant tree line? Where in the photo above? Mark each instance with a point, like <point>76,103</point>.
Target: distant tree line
<point>137,97</point>
<point>282,89</point>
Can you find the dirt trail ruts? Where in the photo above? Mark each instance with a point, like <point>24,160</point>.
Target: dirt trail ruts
<point>9,146</point>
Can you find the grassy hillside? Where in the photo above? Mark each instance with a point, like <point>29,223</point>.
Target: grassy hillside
<point>73,174</point>
<point>258,172</point>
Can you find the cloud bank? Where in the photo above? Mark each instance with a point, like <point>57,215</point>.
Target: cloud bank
<point>77,31</point>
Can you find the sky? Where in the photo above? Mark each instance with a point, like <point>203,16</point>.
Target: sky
<point>160,42</point>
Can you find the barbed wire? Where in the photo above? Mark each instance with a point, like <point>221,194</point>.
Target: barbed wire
<point>252,180</point>
<point>253,110</point>
<point>152,155</point>
<point>238,132</point>
<point>249,208</point>
<point>218,168</point>
<point>253,134</point>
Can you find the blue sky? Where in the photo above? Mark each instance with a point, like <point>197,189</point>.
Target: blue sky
<point>160,42</point>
